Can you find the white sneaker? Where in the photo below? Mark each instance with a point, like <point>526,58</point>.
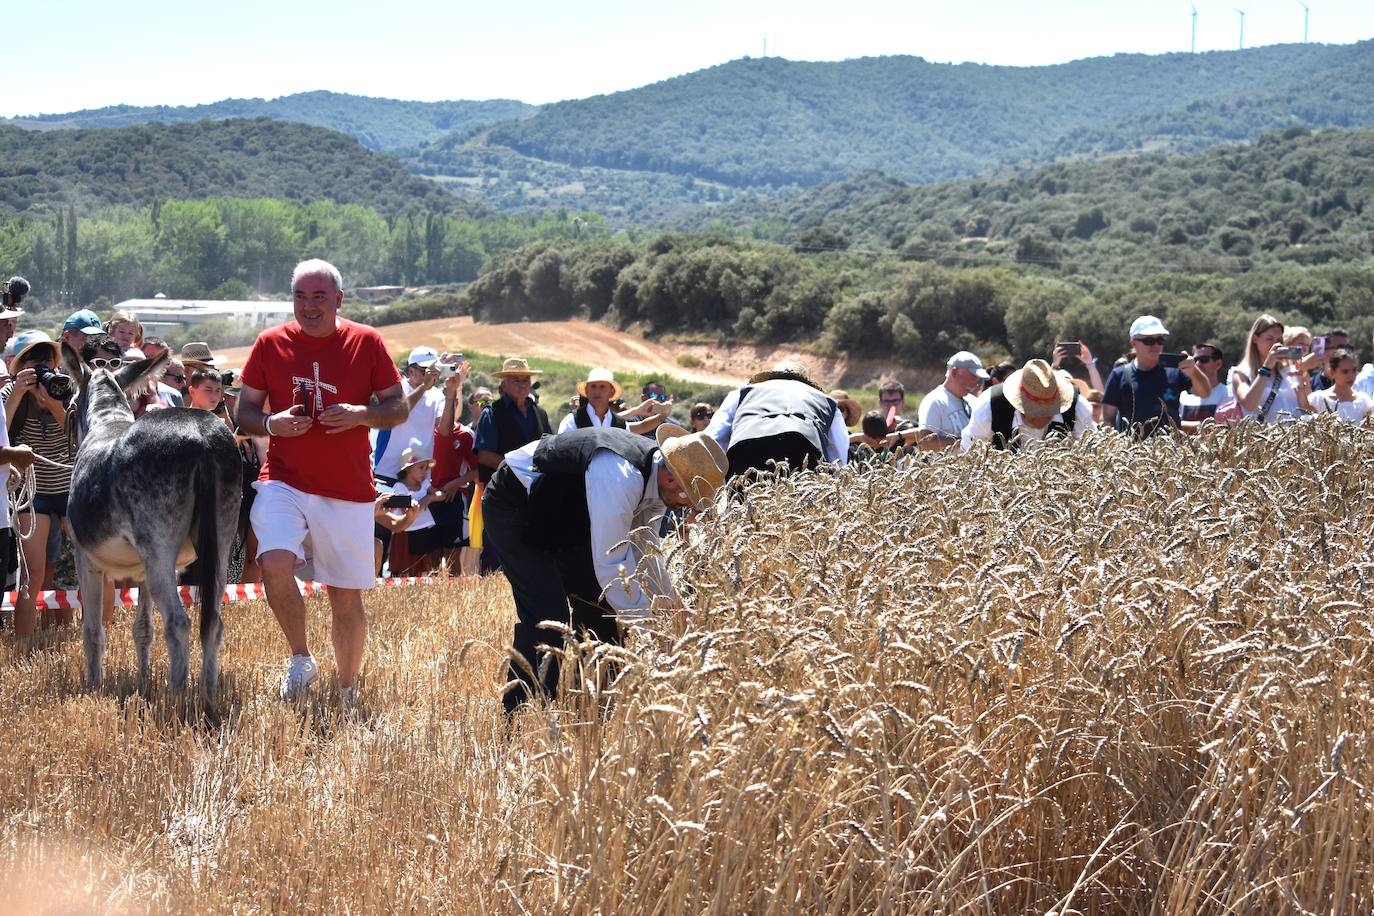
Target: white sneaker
<point>301,672</point>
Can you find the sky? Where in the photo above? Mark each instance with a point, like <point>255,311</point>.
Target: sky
<point>93,53</point>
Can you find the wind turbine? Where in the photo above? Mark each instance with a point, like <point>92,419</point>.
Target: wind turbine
<point>1192,46</point>
<point>1242,26</point>
<point>1305,13</point>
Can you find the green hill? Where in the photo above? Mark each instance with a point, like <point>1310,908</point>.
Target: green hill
<point>1292,196</point>
<point>89,169</point>
<point>379,124</point>
<point>772,124</point>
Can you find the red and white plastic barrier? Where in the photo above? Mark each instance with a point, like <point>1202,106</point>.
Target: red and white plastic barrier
<point>128,597</point>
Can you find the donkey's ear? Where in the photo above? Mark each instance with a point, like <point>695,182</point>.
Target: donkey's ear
<point>130,375</point>
<point>75,367</point>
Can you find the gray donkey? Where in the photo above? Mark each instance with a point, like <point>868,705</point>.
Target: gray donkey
<point>148,498</point>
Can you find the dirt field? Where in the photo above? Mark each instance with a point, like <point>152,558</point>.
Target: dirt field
<point>594,344</point>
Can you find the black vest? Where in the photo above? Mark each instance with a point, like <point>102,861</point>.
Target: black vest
<point>1004,418</point>
<point>784,406</point>
<point>558,514</point>
<point>509,435</point>
<point>583,417</point>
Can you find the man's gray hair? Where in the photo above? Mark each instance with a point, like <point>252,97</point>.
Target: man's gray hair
<point>314,267</point>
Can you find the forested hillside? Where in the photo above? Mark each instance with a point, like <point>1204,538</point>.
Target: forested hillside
<point>378,124</point>
<point>1292,196</point>
<point>774,122</point>
<point>1206,241</point>
<point>89,169</point>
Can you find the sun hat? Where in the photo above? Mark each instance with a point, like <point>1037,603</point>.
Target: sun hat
<point>849,408</point>
<point>27,341</point>
<point>85,321</point>
<point>1148,326</point>
<point>696,460</point>
<point>1036,390</point>
<point>601,374</point>
<point>787,369</point>
<point>199,352</point>
<point>515,366</point>
<point>413,456</point>
<point>422,356</point>
<point>970,361</point>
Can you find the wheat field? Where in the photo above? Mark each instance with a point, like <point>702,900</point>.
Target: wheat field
<point>1111,678</point>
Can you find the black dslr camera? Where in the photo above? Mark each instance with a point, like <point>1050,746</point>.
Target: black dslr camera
<point>58,386</point>
<point>16,288</point>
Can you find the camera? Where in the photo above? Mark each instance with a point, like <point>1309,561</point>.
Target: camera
<point>398,501</point>
<point>449,365</point>
<point>1070,347</point>
<point>58,386</point>
<point>227,378</point>
<point>16,288</point>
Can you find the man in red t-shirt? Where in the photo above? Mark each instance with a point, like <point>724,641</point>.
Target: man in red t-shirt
<point>319,374</point>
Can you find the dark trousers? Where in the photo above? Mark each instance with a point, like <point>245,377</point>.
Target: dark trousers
<point>755,454</point>
<point>548,585</point>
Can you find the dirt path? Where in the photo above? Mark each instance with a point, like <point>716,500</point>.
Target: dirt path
<point>593,344</point>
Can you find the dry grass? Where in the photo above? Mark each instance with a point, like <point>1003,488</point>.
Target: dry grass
<point>1116,678</point>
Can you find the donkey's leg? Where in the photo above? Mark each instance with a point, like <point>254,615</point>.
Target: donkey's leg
<point>176,625</point>
<point>212,605</point>
<point>143,633</point>
<point>92,584</point>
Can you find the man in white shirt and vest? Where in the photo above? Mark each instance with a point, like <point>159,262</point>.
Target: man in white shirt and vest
<point>574,519</point>
<point>780,416</point>
<point>1034,403</point>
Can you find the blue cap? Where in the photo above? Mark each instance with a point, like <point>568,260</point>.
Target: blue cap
<point>85,321</point>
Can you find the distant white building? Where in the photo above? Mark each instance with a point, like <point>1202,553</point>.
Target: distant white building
<point>166,313</point>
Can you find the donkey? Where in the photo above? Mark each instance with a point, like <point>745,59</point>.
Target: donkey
<point>146,499</point>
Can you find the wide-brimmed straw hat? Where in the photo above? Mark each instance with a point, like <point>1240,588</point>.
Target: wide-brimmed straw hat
<point>515,366</point>
<point>1036,390</point>
<point>199,352</point>
<point>601,374</point>
<point>28,341</point>
<point>696,460</point>
<point>787,369</point>
<point>413,456</point>
<point>849,408</point>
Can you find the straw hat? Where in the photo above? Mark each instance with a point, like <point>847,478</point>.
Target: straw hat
<point>696,460</point>
<point>601,375</point>
<point>787,369</point>
<point>27,341</point>
<point>849,408</point>
<point>1036,390</point>
<point>199,352</point>
<point>515,366</point>
<point>413,456</point>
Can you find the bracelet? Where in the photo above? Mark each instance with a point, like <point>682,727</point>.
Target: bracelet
<point>267,424</point>
<point>1265,371</point>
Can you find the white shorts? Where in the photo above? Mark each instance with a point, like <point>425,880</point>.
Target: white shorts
<point>335,533</point>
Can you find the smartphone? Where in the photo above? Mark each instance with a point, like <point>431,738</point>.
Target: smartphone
<point>1319,346</point>
<point>1288,352</point>
<point>304,391</point>
<point>1170,360</point>
<point>398,501</point>
<point>1070,347</point>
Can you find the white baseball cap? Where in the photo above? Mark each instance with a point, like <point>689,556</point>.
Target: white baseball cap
<point>970,361</point>
<point>422,356</point>
<point>1148,326</point>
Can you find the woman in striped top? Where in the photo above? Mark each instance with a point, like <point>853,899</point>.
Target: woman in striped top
<point>37,419</point>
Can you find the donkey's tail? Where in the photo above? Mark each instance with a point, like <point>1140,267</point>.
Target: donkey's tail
<point>209,569</point>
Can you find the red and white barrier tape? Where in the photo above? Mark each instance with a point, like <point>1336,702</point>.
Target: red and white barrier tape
<point>128,597</point>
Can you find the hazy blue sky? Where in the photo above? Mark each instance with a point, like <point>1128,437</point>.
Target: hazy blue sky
<point>93,53</point>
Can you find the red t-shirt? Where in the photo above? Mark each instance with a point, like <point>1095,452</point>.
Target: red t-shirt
<point>347,367</point>
<point>453,456</point>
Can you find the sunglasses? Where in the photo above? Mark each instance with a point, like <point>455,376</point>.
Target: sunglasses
<point>703,415</point>
<point>1204,358</point>
<point>896,400</point>
<point>1151,341</point>
<point>657,396</point>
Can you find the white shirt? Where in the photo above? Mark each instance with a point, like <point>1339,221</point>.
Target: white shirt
<point>416,432</point>
<point>1355,411</point>
<point>1220,394</point>
<point>980,424</point>
<point>570,421</point>
<point>836,448</point>
<point>944,412</point>
<point>423,518</point>
<point>1364,382</point>
<point>1285,406</point>
<point>625,514</point>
